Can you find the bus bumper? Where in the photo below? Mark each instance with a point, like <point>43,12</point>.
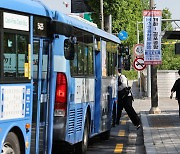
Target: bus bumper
<point>59,128</point>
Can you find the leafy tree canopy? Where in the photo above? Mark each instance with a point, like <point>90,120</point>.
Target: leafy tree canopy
<point>125,15</point>
<point>170,61</point>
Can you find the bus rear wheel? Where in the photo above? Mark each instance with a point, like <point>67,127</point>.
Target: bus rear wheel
<point>11,144</point>
<point>81,147</point>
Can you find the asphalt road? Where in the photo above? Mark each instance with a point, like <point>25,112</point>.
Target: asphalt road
<point>124,138</point>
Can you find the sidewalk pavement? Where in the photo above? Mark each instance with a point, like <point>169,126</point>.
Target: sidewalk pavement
<point>161,131</point>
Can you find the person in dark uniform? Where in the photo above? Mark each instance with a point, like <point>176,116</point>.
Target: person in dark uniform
<point>125,100</point>
<point>176,88</point>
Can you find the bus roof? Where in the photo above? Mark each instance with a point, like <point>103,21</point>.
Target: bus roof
<point>86,26</point>
<point>26,6</point>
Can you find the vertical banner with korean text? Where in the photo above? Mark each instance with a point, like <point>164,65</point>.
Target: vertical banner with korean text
<point>152,36</point>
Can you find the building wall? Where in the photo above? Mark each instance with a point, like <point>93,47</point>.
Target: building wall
<point>79,6</point>
<point>63,6</point>
<point>165,81</point>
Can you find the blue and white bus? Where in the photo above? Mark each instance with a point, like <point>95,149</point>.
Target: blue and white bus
<point>85,64</point>
<point>24,76</point>
<point>57,79</point>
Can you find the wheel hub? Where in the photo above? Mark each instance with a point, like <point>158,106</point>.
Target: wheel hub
<point>7,150</point>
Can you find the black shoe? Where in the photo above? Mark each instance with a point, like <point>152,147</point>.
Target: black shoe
<point>138,127</point>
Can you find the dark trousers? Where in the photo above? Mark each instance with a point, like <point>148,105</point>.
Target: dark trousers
<point>117,111</point>
<point>179,106</point>
<point>126,103</point>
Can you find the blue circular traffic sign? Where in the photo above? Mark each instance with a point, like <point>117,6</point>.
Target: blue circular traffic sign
<point>122,35</point>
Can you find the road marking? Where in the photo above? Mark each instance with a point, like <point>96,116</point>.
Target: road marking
<point>123,122</point>
<point>118,148</point>
<point>121,133</point>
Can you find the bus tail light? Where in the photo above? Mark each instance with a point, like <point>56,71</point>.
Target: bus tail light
<point>61,95</point>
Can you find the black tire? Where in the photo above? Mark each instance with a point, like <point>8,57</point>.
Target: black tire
<point>81,147</point>
<point>105,135</point>
<point>11,144</point>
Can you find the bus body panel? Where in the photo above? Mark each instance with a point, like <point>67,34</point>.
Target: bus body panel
<point>17,115</point>
<point>106,103</point>
<point>84,26</point>
<point>81,96</point>
<point>7,127</point>
<point>28,6</point>
<point>98,85</point>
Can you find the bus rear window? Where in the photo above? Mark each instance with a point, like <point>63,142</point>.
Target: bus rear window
<point>15,55</point>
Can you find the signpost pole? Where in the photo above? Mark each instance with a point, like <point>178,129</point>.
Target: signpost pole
<point>139,73</point>
<point>154,91</point>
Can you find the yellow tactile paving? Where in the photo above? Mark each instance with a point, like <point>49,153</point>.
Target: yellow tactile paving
<point>123,122</point>
<point>119,148</point>
<point>121,133</point>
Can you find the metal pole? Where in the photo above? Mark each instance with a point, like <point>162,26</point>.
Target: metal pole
<point>151,4</point>
<point>139,73</point>
<point>102,14</point>
<point>137,32</point>
<point>108,23</point>
<point>148,80</point>
<point>149,66</point>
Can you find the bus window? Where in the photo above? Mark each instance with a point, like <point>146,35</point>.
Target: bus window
<point>74,64</point>
<point>15,55</point>
<point>90,61</point>
<point>82,64</point>
<point>81,60</point>
<point>111,61</point>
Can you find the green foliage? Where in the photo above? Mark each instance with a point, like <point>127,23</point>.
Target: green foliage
<point>170,61</point>
<point>166,25</point>
<point>125,15</point>
<point>131,75</point>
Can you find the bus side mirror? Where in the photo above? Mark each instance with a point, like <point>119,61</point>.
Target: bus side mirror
<point>69,49</point>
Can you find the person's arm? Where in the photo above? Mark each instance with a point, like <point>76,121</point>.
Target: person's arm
<point>171,96</point>
<point>173,89</point>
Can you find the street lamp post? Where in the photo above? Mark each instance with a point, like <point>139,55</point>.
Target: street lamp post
<point>102,14</point>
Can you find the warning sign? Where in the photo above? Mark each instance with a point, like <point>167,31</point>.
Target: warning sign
<point>139,50</point>
<point>139,64</point>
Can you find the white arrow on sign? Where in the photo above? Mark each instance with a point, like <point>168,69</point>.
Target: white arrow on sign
<point>139,64</point>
